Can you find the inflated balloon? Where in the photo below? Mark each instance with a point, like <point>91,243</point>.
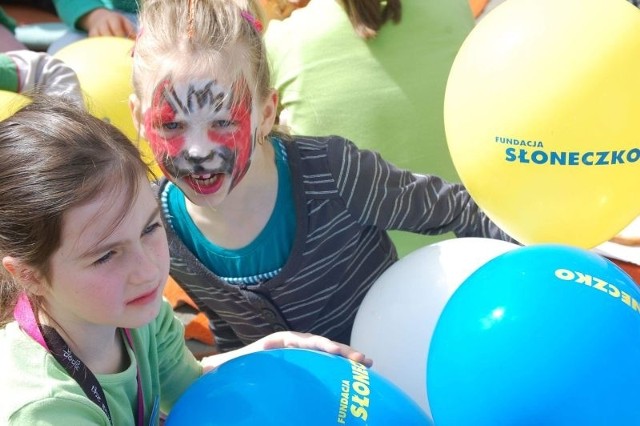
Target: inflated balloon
<point>396,319</point>
<point>104,67</point>
<point>10,102</point>
<point>541,110</point>
<point>541,335</point>
<point>283,387</point>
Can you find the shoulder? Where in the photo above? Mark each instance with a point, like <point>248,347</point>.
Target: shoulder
<point>58,410</point>
<point>312,146</point>
<point>327,165</point>
<point>164,350</point>
<point>33,386</point>
<point>288,40</point>
<point>338,154</point>
<point>164,335</point>
<point>319,152</point>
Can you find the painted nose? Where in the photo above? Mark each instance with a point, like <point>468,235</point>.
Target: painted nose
<point>198,159</point>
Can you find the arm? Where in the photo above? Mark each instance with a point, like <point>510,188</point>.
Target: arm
<point>288,339</point>
<point>95,18</point>
<point>70,11</point>
<point>28,70</point>
<point>379,194</point>
<point>176,365</point>
<point>626,240</point>
<point>105,22</point>
<point>630,235</point>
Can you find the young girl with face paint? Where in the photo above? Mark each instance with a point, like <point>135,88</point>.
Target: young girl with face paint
<point>267,232</point>
<point>85,336</point>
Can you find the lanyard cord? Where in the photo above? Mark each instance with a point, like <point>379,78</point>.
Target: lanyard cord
<point>51,340</point>
<point>76,368</point>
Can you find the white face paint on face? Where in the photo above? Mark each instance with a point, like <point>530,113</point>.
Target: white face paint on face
<point>203,134</point>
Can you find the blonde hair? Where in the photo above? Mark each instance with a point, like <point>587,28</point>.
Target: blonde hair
<point>200,34</point>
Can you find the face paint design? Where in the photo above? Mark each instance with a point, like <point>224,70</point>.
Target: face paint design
<point>202,133</point>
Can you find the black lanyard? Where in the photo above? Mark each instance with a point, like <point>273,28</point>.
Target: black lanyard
<point>51,340</point>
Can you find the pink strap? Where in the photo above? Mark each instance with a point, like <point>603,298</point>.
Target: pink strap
<point>23,313</point>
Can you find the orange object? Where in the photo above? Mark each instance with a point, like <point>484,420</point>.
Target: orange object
<point>477,6</point>
<point>176,295</point>
<point>198,327</point>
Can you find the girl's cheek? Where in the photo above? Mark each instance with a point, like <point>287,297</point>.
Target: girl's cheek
<point>240,141</point>
<point>162,147</point>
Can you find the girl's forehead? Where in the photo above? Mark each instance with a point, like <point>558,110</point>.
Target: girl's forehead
<point>198,95</point>
<point>223,73</point>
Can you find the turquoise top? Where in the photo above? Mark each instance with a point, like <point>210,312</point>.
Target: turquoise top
<point>70,11</point>
<point>261,259</point>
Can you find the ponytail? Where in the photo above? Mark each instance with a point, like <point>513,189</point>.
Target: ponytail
<point>368,16</point>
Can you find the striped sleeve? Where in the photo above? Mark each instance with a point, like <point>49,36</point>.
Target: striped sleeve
<point>379,194</point>
<point>40,71</point>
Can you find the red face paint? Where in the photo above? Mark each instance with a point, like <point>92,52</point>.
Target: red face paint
<point>240,140</point>
<point>160,113</point>
<point>199,129</point>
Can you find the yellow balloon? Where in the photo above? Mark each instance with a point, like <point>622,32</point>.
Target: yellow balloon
<point>10,102</point>
<point>542,112</point>
<point>104,68</point>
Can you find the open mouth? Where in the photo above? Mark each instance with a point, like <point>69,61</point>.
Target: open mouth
<point>205,183</point>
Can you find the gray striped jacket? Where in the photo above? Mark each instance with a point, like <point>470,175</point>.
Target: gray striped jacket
<point>345,199</point>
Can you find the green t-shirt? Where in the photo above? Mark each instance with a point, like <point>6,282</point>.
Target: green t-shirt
<point>384,94</point>
<point>35,388</point>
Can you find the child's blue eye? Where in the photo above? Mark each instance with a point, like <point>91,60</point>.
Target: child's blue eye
<point>105,258</point>
<point>151,228</point>
<point>223,123</point>
<point>173,125</point>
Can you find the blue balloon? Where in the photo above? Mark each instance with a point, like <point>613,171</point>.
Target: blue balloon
<point>541,335</point>
<point>294,387</point>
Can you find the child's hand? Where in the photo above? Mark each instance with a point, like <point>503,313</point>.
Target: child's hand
<point>630,235</point>
<point>289,339</point>
<point>105,22</point>
<point>626,240</point>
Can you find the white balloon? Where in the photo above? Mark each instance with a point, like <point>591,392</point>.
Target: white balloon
<point>397,317</point>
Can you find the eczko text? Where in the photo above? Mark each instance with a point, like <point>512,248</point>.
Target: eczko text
<point>525,155</point>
